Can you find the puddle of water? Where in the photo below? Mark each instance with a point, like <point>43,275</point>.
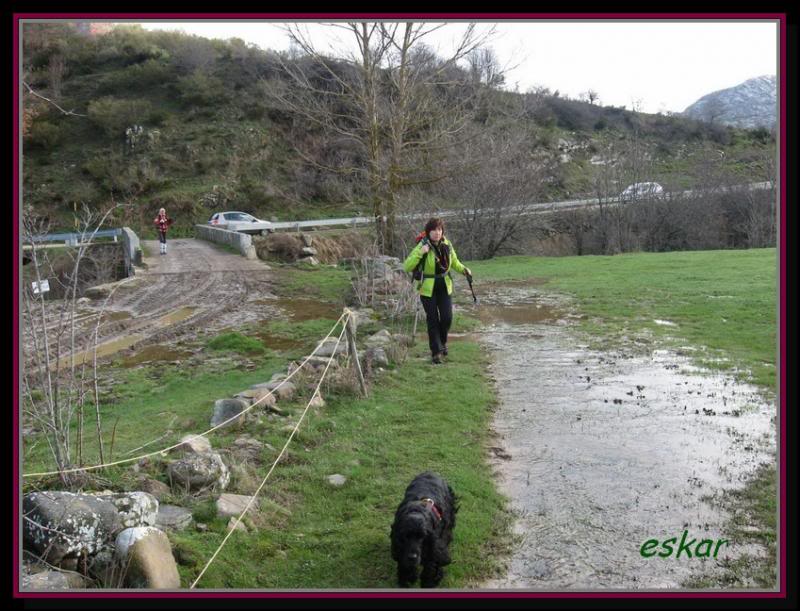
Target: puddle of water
<point>515,314</point>
<point>524,282</point>
<point>665,323</point>
<point>115,316</point>
<point>176,316</point>
<point>155,353</point>
<point>127,341</point>
<point>275,342</point>
<point>303,309</point>
<point>610,451</point>
<point>84,315</point>
<point>105,349</point>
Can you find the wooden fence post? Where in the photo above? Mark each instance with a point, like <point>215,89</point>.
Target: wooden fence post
<point>351,344</point>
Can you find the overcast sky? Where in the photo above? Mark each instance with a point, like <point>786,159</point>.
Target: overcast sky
<point>659,66</point>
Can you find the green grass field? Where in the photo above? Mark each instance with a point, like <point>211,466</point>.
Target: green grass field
<point>312,535</point>
<point>725,301</point>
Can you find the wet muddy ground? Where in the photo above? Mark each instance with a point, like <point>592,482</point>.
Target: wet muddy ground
<point>195,290</point>
<point>601,451</point>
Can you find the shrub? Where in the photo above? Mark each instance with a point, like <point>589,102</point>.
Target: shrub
<point>236,342</point>
<point>201,89</point>
<point>115,115</point>
<point>45,135</point>
<point>147,75</point>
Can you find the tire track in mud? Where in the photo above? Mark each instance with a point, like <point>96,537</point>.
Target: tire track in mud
<point>601,451</point>
<point>194,274</point>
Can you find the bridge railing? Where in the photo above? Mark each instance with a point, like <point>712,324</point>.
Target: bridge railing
<point>74,238</point>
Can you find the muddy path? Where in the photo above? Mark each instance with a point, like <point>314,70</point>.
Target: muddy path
<point>601,451</point>
<point>195,288</point>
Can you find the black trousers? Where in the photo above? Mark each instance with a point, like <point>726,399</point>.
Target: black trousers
<point>439,313</point>
<point>162,237</point>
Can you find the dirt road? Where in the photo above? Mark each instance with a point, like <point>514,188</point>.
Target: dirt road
<point>601,451</point>
<point>195,287</point>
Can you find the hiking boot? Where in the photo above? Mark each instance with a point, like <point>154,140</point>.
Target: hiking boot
<point>437,359</point>
<point>444,351</point>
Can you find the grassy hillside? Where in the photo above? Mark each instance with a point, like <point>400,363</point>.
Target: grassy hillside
<point>211,139</point>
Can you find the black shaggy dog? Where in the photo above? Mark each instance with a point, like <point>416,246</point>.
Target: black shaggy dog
<point>422,530</point>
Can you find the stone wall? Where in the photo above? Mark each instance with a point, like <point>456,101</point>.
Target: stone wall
<point>132,248</point>
<point>242,242</point>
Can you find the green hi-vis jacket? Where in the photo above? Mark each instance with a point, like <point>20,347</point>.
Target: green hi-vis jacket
<point>429,268</point>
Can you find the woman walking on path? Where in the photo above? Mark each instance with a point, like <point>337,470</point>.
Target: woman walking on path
<point>435,255</point>
<point>162,223</point>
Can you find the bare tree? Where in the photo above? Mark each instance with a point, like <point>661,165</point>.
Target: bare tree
<point>394,100</point>
<point>626,162</point>
<point>55,72</point>
<point>713,109</point>
<point>590,95</point>
<point>485,204</point>
<point>56,385</point>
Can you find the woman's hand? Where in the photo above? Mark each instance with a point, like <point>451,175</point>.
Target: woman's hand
<point>467,271</point>
<point>425,248</point>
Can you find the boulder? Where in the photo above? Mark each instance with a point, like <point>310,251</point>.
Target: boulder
<point>135,508</point>
<point>376,357</point>
<point>321,362</point>
<point>247,448</point>
<point>61,525</point>
<point>328,348</point>
<point>172,517</point>
<point>199,471</point>
<point>380,339</point>
<point>284,391</point>
<point>147,555</point>
<point>231,504</point>
<point>52,580</point>
<point>307,239</point>
<point>262,396</point>
<point>194,444</point>
<point>362,316</point>
<point>308,251</point>
<point>154,487</point>
<point>228,408</point>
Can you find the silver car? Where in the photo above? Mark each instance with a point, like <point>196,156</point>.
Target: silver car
<point>241,222</point>
<point>641,190</point>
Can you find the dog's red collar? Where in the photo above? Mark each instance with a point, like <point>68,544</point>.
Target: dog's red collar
<point>434,508</point>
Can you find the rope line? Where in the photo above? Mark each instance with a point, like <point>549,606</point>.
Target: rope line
<point>283,450</point>
<point>221,424</point>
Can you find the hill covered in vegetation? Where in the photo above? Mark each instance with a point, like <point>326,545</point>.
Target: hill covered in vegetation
<point>164,119</point>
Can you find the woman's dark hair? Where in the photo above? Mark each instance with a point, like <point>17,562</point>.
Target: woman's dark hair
<point>434,223</point>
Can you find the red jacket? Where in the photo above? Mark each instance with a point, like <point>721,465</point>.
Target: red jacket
<point>162,223</point>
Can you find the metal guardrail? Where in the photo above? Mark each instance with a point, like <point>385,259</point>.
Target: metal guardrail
<point>74,238</point>
<point>355,221</point>
<point>524,209</point>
